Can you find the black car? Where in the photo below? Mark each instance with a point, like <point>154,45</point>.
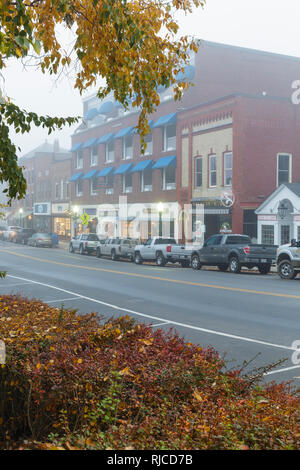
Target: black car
<point>23,235</point>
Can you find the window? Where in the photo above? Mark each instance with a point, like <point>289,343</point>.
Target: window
<point>67,189</point>
<point>56,190</point>
<point>61,189</point>
<point>267,234</point>
<point>169,178</point>
<point>236,240</point>
<point>79,188</point>
<point>250,223</point>
<point>148,140</point>
<point>146,180</point>
<point>212,171</point>
<point>169,140</point>
<point>127,147</point>
<point>283,169</point>
<point>228,169</point>
<point>214,240</point>
<point>94,186</point>
<point>127,183</point>
<point>79,159</point>
<point>94,155</point>
<point>298,233</point>
<point>198,172</point>
<point>285,234</point>
<point>109,184</point>
<point>109,151</point>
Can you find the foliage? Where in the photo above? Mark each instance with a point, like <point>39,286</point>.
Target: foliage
<point>130,43</point>
<point>74,381</point>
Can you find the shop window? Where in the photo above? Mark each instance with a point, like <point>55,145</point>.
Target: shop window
<point>285,234</point>
<point>267,234</point>
<point>283,169</point>
<point>250,223</point>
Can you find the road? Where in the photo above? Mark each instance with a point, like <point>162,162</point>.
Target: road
<point>246,317</point>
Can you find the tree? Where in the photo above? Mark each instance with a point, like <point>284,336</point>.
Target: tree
<point>130,43</point>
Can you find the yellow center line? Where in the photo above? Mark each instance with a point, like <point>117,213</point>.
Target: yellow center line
<point>156,278</point>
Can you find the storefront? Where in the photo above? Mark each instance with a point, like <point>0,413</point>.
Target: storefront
<point>279,216</point>
<point>42,217</point>
<point>210,216</point>
<point>61,221</point>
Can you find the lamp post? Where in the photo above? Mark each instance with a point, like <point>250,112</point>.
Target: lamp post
<point>282,210</point>
<point>75,215</point>
<point>160,207</point>
<point>20,214</point>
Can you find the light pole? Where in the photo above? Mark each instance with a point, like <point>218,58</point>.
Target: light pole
<point>160,207</point>
<point>75,215</point>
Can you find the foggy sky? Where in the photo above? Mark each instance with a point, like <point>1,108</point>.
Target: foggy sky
<point>270,25</point>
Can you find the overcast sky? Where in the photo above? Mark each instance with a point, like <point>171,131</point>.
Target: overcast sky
<point>270,25</point>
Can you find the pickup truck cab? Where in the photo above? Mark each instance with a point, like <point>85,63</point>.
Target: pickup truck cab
<point>85,243</point>
<point>288,260</point>
<point>117,248</point>
<point>162,250</point>
<point>233,251</point>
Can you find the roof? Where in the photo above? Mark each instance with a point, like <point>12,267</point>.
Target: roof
<point>48,148</point>
<point>294,187</point>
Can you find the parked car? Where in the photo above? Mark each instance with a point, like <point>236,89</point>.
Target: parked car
<point>3,228</point>
<point>233,252</point>
<point>117,248</point>
<point>21,236</point>
<point>11,231</point>
<point>288,260</point>
<point>40,239</point>
<point>85,243</point>
<point>162,250</point>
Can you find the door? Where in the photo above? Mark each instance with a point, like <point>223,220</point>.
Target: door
<point>147,250</point>
<point>209,249</point>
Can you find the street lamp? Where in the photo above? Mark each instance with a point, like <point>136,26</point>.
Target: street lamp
<point>160,208</point>
<point>20,214</point>
<point>282,210</point>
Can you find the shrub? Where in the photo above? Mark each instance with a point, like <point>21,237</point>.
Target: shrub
<point>75,381</point>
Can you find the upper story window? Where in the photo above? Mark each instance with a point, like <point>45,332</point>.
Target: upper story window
<point>284,168</point>
<point>79,188</point>
<point>149,148</point>
<point>169,178</point>
<point>169,137</point>
<point>198,172</point>
<point>212,171</point>
<point>109,151</point>
<point>228,169</point>
<point>56,190</point>
<point>109,184</point>
<point>67,189</point>
<point>94,186</point>
<point>127,147</point>
<point>94,155</point>
<point>79,159</point>
<point>127,182</point>
<point>146,180</point>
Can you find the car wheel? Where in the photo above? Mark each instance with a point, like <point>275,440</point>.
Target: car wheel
<point>223,267</point>
<point>160,259</point>
<point>264,269</point>
<point>81,250</point>
<point>35,244</point>
<point>286,270</point>
<point>196,265</point>
<point>113,255</point>
<point>138,258</point>
<point>98,252</point>
<point>234,265</point>
<point>71,249</point>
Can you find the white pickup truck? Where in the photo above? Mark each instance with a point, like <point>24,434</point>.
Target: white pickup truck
<point>162,250</point>
<point>117,248</point>
<point>288,260</point>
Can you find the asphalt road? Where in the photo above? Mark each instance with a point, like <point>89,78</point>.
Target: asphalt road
<point>246,317</point>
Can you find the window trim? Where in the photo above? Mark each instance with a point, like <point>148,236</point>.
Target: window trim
<point>290,166</point>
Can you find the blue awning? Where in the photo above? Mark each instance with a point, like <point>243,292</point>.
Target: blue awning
<point>91,114</point>
<point>106,108</point>
<point>106,171</point>
<point>164,162</point>
<point>124,132</point>
<point>106,138</point>
<point>90,174</point>
<point>123,169</point>
<point>141,166</point>
<point>90,143</point>
<point>165,120</point>
<point>76,147</point>
<point>76,176</point>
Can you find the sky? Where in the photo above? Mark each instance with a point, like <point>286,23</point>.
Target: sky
<point>270,25</point>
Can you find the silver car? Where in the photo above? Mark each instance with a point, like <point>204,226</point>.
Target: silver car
<point>40,239</point>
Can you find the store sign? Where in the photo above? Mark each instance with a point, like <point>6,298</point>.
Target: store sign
<point>296,218</point>
<point>60,208</point>
<point>43,208</point>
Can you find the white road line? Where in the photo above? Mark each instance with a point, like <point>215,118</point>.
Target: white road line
<point>62,300</point>
<point>278,371</point>
<point>14,285</point>
<point>151,317</point>
<point>164,323</point>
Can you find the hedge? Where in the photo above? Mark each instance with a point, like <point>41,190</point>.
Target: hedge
<point>75,381</point>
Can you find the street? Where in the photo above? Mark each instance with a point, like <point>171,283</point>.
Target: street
<point>246,317</point>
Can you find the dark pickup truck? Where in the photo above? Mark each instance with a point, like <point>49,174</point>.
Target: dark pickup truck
<point>232,252</point>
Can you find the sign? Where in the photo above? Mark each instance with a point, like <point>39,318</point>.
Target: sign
<point>85,218</point>
<point>42,208</point>
<point>60,208</point>
<point>267,217</point>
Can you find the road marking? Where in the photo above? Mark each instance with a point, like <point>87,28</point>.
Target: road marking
<point>164,279</point>
<point>14,285</point>
<point>160,324</point>
<point>278,371</point>
<point>62,300</point>
<point>164,320</point>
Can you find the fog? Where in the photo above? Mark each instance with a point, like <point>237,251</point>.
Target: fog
<point>270,25</point>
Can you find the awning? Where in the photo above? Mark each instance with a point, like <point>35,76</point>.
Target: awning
<point>90,143</point>
<point>76,176</point>
<point>91,114</point>
<point>123,169</point>
<point>165,120</point>
<point>106,108</point>
<point>90,174</point>
<point>141,166</point>
<point>106,171</point>
<point>164,162</point>
<point>106,138</point>
<point>76,147</point>
<point>124,132</point>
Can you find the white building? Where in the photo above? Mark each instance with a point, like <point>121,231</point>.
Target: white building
<point>279,215</point>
